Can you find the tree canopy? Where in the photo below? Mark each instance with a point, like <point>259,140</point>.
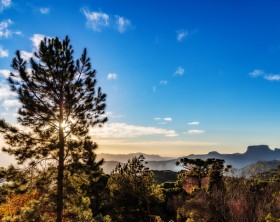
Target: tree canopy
<point>59,101</point>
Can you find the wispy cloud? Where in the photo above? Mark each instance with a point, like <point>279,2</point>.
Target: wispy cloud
<point>112,76</point>
<point>168,143</point>
<point>196,132</point>
<point>154,89</point>
<point>168,119</point>
<point>7,97</point>
<point>4,28</point>
<point>5,92</point>
<point>5,73</point>
<point>163,82</point>
<point>162,121</point>
<point>5,4</point>
<point>112,115</point>
<point>181,35</point>
<point>267,76</point>
<point>179,71</point>
<point>124,130</point>
<point>272,77</point>
<point>194,123</point>
<point>99,20</point>
<point>3,52</point>
<point>5,31</point>
<point>122,23</point>
<point>10,103</point>
<point>44,10</point>
<point>256,72</point>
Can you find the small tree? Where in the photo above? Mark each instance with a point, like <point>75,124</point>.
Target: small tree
<point>59,102</point>
<point>200,169</point>
<point>133,191</point>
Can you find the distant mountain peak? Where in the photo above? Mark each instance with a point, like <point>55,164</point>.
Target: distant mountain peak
<point>237,160</point>
<point>213,153</point>
<point>258,149</point>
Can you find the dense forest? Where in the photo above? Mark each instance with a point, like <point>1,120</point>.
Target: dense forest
<point>59,179</point>
<point>203,192</point>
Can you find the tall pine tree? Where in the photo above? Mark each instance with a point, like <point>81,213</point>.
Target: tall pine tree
<point>59,102</point>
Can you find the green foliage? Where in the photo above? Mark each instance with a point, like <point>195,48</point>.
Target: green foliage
<point>270,175</point>
<point>59,102</point>
<point>134,192</point>
<point>200,169</point>
<point>162,176</point>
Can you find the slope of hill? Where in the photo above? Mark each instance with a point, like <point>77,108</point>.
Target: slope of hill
<point>237,160</point>
<point>259,167</point>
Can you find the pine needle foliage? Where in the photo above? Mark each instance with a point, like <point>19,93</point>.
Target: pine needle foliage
<point>59,101</point>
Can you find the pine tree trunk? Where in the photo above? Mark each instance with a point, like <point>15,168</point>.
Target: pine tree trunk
<point>60,173</point>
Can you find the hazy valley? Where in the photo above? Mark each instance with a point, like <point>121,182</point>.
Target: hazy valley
<point>252,155</point>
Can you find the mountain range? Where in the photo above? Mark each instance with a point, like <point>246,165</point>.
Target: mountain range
<point>155,162</point>
<point>125,157</point>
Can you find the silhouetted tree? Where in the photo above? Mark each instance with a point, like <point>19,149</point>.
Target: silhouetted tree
<point>59,102</point>
<point>200,169</point>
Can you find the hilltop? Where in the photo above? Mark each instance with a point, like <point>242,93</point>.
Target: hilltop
<point>237,160</point>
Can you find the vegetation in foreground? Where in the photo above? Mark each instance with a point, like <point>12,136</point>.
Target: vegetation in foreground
<point>130,193</point>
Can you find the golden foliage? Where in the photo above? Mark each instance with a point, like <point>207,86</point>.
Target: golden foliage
<point>15,202</point>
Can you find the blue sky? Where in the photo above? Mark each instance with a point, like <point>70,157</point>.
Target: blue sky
<point>181,76</point>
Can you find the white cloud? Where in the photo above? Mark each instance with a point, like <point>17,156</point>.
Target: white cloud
<point>163,82</point>
<point>111,115</point>
<point>269,77</point>
<point>194,123</point>
<point>5,4</point>
<point>36,40</point>
<point>167,119</point>
<point>257,72</point>
<point>4,31</point>
<point>168,143</point>
<point>26,55</point>
<point>123,130</point>
<point>179,71</point>
<point>112,76</point>
<point>97,20</point>
<point>5,92</point>
<point>181,35</point>
<point>9,103</point>
<point>3,52</point>
<point>44,10</point>
<point>162,121</point>
<point>196,132</point>
<point>5,73</point>
<point>7,97</point>
<point>272,77</point>
<point>122,23</point>
<point>18,32</point>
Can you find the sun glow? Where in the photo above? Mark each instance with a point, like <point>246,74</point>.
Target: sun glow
<point>65,126</point>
